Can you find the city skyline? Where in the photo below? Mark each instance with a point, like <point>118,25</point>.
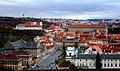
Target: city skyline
<point>68,9</point>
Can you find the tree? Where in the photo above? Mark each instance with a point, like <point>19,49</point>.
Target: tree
<point>98,61</point>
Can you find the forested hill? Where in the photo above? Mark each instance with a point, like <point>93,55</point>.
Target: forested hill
<point>7,33</point>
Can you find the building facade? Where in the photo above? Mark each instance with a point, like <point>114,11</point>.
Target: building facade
<point>31,26</point>
<point>88,28</point>
<point>11,61</point>
<point>109,61</point>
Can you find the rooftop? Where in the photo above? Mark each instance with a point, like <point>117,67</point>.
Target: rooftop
<point>70,48</point>
<point>9,57</point>
<point>17,53</point>
<point>93,56</point>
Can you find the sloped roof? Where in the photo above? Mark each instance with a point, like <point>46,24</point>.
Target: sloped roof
<point>93,56</point>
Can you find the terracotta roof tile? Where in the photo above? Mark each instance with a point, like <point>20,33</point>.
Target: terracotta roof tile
<point>9,57</point>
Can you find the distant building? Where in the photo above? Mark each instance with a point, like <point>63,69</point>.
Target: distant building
<point>27,57</point>
<point>81,59</point>
<point>109,61</point>
<point>31,47</point>
<point>31,26</point>
<point>9,46</point>
<point>11,61</point>
<point>88,28</point>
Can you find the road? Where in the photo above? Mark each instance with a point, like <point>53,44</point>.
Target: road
<point>48,62</point>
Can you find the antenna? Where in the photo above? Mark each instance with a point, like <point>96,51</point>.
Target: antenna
<point>23,15</point>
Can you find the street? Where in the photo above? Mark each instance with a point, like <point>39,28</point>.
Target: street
<point>48,62</point>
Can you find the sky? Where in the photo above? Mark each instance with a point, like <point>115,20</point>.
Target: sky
<point>68,9</point>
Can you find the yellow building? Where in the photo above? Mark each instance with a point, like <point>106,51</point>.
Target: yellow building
<point>11,61</point>
<point>88,28</point>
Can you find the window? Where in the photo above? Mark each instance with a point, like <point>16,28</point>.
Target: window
<point>108,64</point>
<point>69,54</point>
<point>105,65</point>
<point>90,64</point>
<point>111,65</point>
<point>115,65</point>
<point>80,65</point>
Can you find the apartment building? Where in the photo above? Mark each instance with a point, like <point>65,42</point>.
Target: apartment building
<point>88,28</point>
<point>11,61</point>
<point>27,57</point>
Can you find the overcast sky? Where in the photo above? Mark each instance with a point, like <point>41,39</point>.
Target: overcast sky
<point>72,9</point>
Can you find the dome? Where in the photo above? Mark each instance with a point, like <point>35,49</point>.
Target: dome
<point>70,48</point>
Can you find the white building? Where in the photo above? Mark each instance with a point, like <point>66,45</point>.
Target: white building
<point>71,51</point>
<point>109,61</point>
<point>31,26</point>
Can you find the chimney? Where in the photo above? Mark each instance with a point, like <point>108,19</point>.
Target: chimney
<point>40,23</point>
<point>34,23</point>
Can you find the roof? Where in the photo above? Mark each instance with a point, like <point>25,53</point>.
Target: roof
<point>17,53</point>
<point>59,40</point>
<point>99,44</point>
<point>93,56</point>
<point>14,45</point>
<point>108,49</point>
<point>51,28</point>
<point>70,48</point>
<point>82,40</point>
<point>65,64</point>
<point>51,46</point>
<point>9,57</point>
<point>48,41</point>
<point>97,49</point>
<point>111,48</point>
<point>30,25</point>
<point>87,25</point>
<point>98,39</point>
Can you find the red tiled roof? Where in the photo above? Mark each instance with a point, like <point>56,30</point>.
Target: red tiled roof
<point>48,41</point>
<point>97,48</point>
<point>17,53</point>
<point>41,43</point>
<point>82,41</point>
<point>51,28</point>
<point>61,33</point>
<point>70,38</point>
<point>9,57</point>
<point>30,25</point>
<point>108,49</point>
<point>43,37</point>
<point>88,38</point>
<point>51,46</point>
<point>98,39</point>
<point>87,25</point>
<point>65,64</point>
<point>59,40</point>
<point>99,44</point>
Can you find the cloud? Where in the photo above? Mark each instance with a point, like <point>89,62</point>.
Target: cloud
<point>79,9</point>
<point>14,2</point>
